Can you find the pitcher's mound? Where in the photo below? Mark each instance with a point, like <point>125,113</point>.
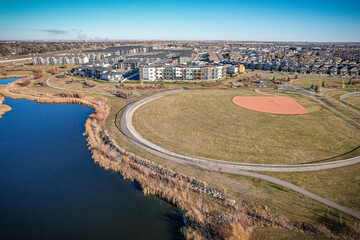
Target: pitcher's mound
<point>273,104</point>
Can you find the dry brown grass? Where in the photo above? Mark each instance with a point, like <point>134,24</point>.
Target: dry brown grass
<point>341,185</point>
<point>102,86</point>
<point>354,99</point>
<point>237,232</point>
<point>263,233</point>
<point>24,82</point>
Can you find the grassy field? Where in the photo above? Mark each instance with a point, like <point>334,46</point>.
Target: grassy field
<point>105,87</point>
<point>308,81</point>
<point>303,81</point>
<point>102,86</point>
<point>281,234</point>
<point>25,69</point>
<point>16,70</point>
<point>208,124</point>
<point>354,99</point>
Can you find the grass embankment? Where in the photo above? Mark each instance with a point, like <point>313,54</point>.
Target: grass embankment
<point>341,185</point>
<point>281,234</point>
<point>261,196</point>
<point>208,124</point>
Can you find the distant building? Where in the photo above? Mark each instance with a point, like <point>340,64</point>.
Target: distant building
<point>70,59</point>
<point>98,71</point>
<point>169,71</point>
<point>232,69</point>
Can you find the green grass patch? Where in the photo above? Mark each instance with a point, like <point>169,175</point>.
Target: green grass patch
<point>263,233</point>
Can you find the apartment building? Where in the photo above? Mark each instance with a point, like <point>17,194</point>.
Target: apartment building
<point>70,59</point>
<point>231,69</point>
<point>171,72</point>
<point>99,71</point>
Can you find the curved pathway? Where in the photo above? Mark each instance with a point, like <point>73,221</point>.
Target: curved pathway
<point>129,130</point>
<point>213,166</point>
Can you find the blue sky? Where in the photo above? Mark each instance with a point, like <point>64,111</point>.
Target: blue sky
<point>181,20</point>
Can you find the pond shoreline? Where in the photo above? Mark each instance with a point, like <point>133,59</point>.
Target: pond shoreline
<point>108,155</point>
<point>189,195</point>
<point>3,108</point>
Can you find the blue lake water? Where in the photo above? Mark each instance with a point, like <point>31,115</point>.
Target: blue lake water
<point>50,188</point>
<point>7,80</point>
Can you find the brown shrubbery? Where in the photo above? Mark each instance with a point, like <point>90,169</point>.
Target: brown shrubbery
<point>323,230</point>
<point>24,82</point>
<point>80,95</point>
<point>69,94</point>
<point>54,70</point>
<point>126,95</point>
<point>37,76</point>
<point>86,83</point>
<point>39,70</point>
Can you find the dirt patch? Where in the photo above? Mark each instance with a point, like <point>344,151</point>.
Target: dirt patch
<point>270,104</point>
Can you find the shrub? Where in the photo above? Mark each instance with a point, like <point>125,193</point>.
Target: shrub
<point>38,75</point>
<point>39,70</point>
<point>316,88</point>
<point>24,82</point>
<point>54,70</point>
<point>68,94</point>
<point>324,230</point>
<point>80,95</point>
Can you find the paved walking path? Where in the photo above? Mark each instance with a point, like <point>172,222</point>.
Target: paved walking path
<point>214,166</point>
